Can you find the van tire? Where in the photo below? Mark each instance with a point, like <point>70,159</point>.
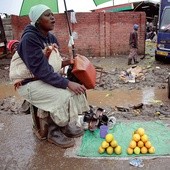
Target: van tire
<point>157,58</point>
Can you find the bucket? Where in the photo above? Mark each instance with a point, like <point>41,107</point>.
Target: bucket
<point>103,131</point>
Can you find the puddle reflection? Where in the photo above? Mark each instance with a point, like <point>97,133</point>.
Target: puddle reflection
<point>148,95</point>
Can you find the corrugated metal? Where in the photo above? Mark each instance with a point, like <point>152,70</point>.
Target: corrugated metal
<point>121,8</point>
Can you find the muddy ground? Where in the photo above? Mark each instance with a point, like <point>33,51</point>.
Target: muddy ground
<point>153,74</point>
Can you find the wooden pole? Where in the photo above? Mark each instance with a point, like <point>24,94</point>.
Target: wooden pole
<point>70,32</point>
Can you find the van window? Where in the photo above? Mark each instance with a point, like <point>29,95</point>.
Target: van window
<point>165,23</point>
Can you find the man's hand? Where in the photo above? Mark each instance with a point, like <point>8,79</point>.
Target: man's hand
<point>76,88</point>
<point>55,46</point>
<point>47,51</point>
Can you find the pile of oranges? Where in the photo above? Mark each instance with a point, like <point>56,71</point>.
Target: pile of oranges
<point>140,143</point>
<point>110,145</point>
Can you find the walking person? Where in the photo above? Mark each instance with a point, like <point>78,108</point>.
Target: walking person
<point>133,43</point>
<point>35,72</point>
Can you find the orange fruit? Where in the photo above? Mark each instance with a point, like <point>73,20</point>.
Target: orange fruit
<point>101,150</point>
<point>148,144</point>
<point>109,137</point>
<point>144,138</point>
<point>136,150</point>
<point>132,144</point>
<point>141,131</point>
<point>134,132</point>
<point>136,137</point>
<point>129,151</point>
<point>140,144</point>
<point>118,150</point>
<point>151,150</point>
<point>105,144</point>
<point>113,143</point>
<point>109,150</point>
<point>144,150</point>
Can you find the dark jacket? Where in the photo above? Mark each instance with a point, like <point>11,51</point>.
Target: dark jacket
<point>133,39</point>
<point>30,50</point>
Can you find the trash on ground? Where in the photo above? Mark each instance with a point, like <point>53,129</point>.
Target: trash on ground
<point>137,162</point>
<point>131,74</point>
<point>166,113</point>
<point>138,106</point>
<point>122,109</point>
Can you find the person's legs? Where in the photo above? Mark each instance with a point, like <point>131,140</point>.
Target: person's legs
<point>135,55</point>
<point>130,57</point>
<point>55,100</point>
<point>63,106</point>
<point>40,123</point>
<point>58,138</point>
<point>72,131</point>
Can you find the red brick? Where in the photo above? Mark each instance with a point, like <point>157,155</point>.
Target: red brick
<point>99,34</point>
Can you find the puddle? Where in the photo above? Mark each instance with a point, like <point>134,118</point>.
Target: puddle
<point>7,90</point>
<point>109,98</point>
<point>126,97</point>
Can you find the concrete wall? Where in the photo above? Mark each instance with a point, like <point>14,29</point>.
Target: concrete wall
<point>99,34</point>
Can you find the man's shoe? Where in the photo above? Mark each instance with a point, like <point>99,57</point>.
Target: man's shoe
<point>56,137</point>
<point>129,61</point>
<point>72,131</point>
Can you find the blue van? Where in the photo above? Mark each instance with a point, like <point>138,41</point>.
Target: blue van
<point>163,40</point>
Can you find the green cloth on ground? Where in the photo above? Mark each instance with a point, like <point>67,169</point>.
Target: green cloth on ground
<point>158,133</point>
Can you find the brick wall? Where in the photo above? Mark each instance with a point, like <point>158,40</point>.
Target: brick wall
<point>99,34</point>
